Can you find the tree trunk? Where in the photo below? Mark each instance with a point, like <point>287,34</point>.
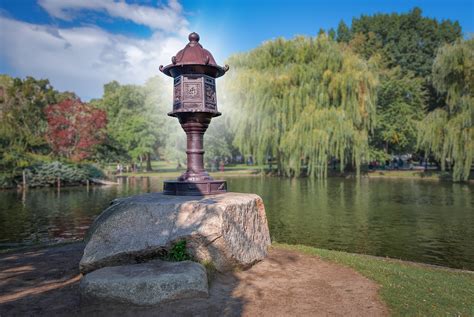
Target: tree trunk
<point>349,166</point>
<point>279,165</point>
<point>148,163</point>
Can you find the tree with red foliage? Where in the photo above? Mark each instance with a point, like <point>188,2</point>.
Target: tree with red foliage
<point>75,128</point>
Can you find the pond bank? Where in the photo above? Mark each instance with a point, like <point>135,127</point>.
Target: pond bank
<point>390,174</point>
<point>249,171</point>
<point>415,174</point>
<point>408,288</point>
<point>45,282</point>
<point>293,280</point>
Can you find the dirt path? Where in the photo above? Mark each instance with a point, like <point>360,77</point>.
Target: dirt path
<point>45,282</point>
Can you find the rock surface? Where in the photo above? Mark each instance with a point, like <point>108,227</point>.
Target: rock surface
<point>146,283</point>
<point>230,230</point>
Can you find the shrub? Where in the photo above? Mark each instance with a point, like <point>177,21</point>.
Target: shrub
<point>178,252</point>
<point>6,181</point>
<point>46,174</point>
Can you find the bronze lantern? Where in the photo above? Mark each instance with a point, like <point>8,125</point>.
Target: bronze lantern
<point>194,104</point>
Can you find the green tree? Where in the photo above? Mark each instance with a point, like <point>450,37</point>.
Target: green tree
<point>22,121</point>
<point>404,46</point>
<point>448,132</point>
<point>133,122</point>
<point>303,102</point>
<point>171,141</point>
<point>343,32</point>
<point>218,140</point>
<point>158,100</point>
<point>408,40</point>
<point>400,106</point>
<point>367,46</point>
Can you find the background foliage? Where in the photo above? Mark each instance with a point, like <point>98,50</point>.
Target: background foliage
<point>388,84</point>
<point>448,132</point>
<point>302,101</point>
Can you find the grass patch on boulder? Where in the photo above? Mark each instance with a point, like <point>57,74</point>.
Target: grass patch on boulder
<point>210,270</point>
<point>178,252</point>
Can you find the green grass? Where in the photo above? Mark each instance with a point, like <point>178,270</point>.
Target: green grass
<point>227,173</point>
<point>432,175</point>
<point>164,169</point>
<point>409,289</point>
<point>178,252</point>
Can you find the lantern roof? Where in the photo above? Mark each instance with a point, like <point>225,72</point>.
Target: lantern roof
<point>193,59</point>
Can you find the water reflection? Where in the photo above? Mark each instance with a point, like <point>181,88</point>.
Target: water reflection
<point>415,220</point>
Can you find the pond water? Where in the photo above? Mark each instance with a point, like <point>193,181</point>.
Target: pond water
<point>423,221</point>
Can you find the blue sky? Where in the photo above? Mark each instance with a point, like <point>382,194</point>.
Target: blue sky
<point>82,44</point>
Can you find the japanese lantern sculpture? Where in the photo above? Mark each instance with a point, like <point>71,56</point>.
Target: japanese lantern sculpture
<point>194,104</point>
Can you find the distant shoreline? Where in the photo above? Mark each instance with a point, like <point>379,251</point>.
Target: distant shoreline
<point>377,174</point>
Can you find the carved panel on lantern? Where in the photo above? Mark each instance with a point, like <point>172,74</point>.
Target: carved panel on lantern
<point>192,106</point>
<point>192,91</point>
<point>209,80</point>
<point>211,106</point>
<point>210,93</point>
<point>177,94</point>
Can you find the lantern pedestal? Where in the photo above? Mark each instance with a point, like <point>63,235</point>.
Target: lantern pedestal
<point>195,181</point>
<point>194,188</point>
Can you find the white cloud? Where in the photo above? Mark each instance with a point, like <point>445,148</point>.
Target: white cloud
<point>167,18</point>
<point>82,59</point>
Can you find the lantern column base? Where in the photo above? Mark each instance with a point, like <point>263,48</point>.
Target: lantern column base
<point>196,188</point>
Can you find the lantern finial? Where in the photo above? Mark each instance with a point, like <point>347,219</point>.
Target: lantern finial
<point>193,37</point>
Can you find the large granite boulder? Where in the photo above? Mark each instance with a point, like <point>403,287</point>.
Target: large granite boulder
<point>146,283</point>
<point>230,230</point>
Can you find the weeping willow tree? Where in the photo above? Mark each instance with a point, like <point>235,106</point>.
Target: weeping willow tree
<point>302,101</point>
<point>448,132</point>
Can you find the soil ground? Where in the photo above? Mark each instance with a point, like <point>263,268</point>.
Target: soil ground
<point>45,282</point>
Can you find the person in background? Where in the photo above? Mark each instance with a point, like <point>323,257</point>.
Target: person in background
<point>213,164</point>
<point>400,163</point>
<point>221,166</point>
